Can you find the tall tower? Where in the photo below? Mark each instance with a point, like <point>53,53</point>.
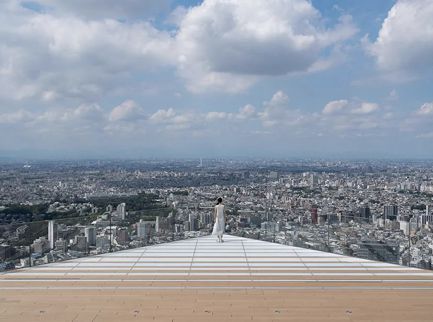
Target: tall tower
<point>390,212</point>
<point>121,210</point>
<point>90,233</point>
<point>157,224</point>
<point>52,233</point>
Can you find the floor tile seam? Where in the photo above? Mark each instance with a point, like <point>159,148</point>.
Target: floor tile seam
<point>74,266</point>
<point>211,269</point>
<point>246,259</point>
<point>247,272</point>
<point>192,257</point>
<point>302,260</point>
<point>216,273</point>
<point>114,288</point>
<point>137,260</point>
<point>75,280</point>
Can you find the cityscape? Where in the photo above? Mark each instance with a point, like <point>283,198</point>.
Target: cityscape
<point>216,160</point>
<point>378,210</point>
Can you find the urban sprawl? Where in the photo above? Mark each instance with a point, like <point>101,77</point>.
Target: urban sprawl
<point>53,211</point>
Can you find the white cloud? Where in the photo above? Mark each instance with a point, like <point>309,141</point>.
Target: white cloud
<point>277,112</point>
<point>365,108</point>
<point>127,111</point>
<point>405,41</point>
<point>54,57</point>
<point>64,53</point>
<point>420,121</point>
<point>20,116</point>
<point>335,106</point>
<point>216,116</point>
<point>92,113</point>
<point>163,115</point>
<point>246,112</point>
<point>353,117</point>
<point>227,45</point>
<point>425,109</point>
<point>345,106</point>
<point>106,8</point>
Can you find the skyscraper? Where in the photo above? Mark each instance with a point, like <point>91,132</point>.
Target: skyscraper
<point>427,218</point>
<point>390,212</point>
<point>314,180</point>
<point>52,233</point>
<point>90,233</point>
<point>121,210</point>
<point>157,224</point>
<point>144,228</point>
<point>364,212</point>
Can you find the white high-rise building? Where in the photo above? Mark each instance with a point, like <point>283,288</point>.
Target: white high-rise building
<point>157,224</point>
<point>314,180</point>
<point>427,218</point>
<point>52,233</point>
<point>144,228</point>
<point>121,210</point>
<point>90,233</point>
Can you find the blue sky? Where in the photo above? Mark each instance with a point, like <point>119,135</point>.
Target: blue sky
<point>216,78</point>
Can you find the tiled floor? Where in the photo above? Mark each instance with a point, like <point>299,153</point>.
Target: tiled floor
<point>194,279</point>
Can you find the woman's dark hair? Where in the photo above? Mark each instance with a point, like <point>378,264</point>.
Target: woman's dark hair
<point>220,200</point>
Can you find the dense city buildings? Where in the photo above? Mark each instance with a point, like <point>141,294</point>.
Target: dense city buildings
<point>53,211</point>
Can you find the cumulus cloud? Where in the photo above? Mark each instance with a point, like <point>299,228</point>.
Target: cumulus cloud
<point>405,41</point>
<point>216,116</point>
<point>226,45</point>
<point>365,108</point>
<point>92,113</point>
<point>425,109</point>
<point>246,112</point>
<point>127,111</point>
<point>106,8</point>
<point>419,121</point>
<point>81,50</point>
<point>335,106</point>
<point>277,112</point>
<point>53,57</point>
<point>163,115</point>
<point>346,106</point>
<point>20,116</point>
<point>174,121</point>
<point>353,117</point>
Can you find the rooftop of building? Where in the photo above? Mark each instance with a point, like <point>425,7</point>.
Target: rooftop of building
<point>201,280</point>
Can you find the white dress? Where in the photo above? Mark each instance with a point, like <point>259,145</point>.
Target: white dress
<point>219,226</point>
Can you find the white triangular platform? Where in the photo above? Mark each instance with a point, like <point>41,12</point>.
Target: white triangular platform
<point>204,263</point>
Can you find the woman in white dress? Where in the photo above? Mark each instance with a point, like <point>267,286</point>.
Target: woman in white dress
<point>218,227</point>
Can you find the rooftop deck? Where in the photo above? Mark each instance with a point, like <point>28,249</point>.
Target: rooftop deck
<point>200,279</point>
